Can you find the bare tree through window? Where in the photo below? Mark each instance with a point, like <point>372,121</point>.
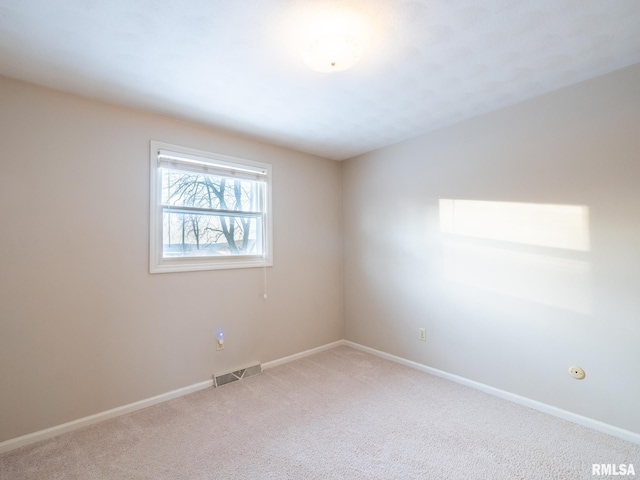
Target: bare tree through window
<point>207,215</point>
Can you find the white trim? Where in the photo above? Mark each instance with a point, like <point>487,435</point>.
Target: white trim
<point>51,432</point>
<point>306,353</point>
<point>17,442</point>
<point>597,425</point>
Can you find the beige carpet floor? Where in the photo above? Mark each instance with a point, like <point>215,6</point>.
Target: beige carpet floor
<point>340,414</point>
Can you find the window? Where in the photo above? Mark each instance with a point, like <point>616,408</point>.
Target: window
<point>208,211</point>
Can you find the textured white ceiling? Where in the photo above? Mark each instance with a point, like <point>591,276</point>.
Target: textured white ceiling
<point>237,64</point>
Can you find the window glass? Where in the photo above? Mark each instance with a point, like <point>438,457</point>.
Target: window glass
<point>207,210</point>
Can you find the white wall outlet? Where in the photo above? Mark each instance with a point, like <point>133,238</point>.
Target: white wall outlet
<point>220,341</point>
<point>422,334</point>
<point>576,372</point>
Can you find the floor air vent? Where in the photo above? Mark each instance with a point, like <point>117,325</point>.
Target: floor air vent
<point>219,380</point>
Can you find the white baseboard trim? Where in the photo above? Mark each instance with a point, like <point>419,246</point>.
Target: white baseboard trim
<point>17,442</point>
<point>627,435</point>
<point>306,353</point>
<point>512,397</point>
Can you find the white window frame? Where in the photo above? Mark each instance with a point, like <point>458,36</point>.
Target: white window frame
<point>211,162</point>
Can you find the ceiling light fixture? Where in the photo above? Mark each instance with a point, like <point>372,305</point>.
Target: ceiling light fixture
<point>334,52</point>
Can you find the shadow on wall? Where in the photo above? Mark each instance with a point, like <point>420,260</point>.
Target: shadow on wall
<point>531,251</point>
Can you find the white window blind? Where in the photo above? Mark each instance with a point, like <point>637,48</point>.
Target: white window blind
<point>185,161</point>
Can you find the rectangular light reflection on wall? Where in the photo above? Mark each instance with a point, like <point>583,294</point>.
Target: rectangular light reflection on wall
<point>556,226</point>
<point>554,281</point>
<point>560,278</point>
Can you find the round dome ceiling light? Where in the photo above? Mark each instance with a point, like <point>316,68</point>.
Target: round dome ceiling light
<point>334,52</point>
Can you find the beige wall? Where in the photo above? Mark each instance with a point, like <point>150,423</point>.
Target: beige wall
<point>512,315</point>
<point>84,327</point>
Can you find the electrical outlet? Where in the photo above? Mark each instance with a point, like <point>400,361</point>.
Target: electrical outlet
<point>422,334</point>
<point>220,341</point>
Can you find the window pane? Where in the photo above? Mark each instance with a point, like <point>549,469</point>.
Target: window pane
<point>191,189</point>
<point>208,211</point>
<point>193,235</point>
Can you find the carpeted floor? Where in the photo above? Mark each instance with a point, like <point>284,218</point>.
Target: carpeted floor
<point>340,414</point>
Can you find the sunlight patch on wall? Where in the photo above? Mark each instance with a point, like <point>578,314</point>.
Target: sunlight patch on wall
<point>555,226</point>
<point>552,281</point>
<point>510,248</point>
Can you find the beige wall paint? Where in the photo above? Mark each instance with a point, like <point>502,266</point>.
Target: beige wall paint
<point>510,315</point>
<point>84,327</point>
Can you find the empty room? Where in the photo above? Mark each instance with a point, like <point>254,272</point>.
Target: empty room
<point>360,239</point>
